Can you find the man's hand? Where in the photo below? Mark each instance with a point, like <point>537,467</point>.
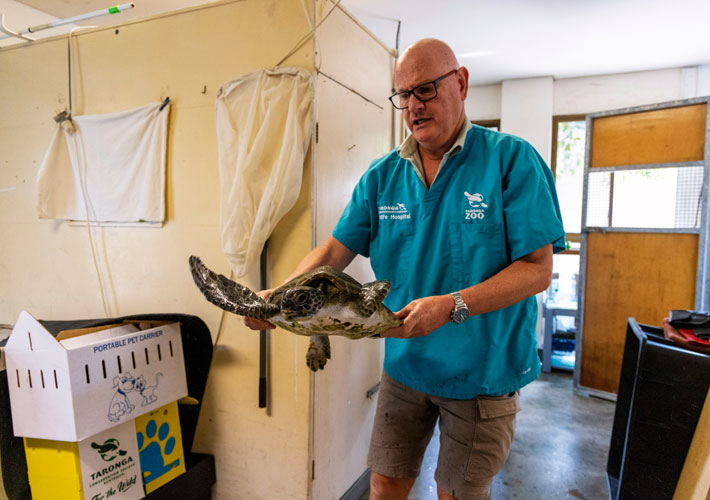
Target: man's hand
<point>259,324</point>
<point>422,316</point>
<point>672,334</point>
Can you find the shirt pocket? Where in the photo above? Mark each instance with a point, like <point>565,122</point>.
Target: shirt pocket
<point>478,251</point>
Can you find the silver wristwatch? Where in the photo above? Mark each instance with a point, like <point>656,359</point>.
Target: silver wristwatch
<point>460,312</point>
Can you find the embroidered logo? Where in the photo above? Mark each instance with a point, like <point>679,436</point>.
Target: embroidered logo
<point>478,207</point>
<point>397,211</point>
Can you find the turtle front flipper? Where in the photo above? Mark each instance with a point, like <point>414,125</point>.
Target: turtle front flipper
<point>229,295</point>
<point>373,294</point>
<point>318,352</point>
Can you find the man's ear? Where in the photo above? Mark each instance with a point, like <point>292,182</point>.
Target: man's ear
<point>462,77</point>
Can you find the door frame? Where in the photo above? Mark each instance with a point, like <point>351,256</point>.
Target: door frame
<point>702,289</point>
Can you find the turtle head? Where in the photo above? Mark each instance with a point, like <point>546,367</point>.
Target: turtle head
<point>301,302</point>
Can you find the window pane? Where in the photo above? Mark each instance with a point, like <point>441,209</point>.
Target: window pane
<point>598,199</point>
<point>688,197</point>
<point>569,176</point>
<point>658,198</point>
<point>662,198</point>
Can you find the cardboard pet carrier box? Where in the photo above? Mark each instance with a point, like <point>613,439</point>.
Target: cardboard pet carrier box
<point>83,382</point>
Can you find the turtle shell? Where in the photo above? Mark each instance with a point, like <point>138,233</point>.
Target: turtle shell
<point>326,301</point>
<point>335,285</point>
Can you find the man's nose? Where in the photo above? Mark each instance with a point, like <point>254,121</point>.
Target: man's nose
<point>414,103</point>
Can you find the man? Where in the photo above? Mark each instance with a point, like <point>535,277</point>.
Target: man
<point>462,221</point>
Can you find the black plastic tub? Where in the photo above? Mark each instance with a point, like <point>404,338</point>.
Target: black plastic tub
<point>662,389</point>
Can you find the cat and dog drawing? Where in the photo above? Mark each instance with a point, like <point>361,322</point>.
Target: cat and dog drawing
<point>125,383</point>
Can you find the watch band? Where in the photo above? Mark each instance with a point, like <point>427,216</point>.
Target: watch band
<point>458,300</point>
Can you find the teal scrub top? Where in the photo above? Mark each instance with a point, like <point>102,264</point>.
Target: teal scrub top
<point>490,204</point>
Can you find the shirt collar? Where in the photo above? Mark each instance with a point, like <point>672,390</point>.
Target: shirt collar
<point>408,150</point>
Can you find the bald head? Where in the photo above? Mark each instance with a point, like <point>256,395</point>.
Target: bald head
<point>427,54</point>
<point>434,118</point>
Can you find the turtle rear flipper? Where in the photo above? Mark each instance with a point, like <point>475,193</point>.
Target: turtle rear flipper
<point>318,352</point>
<point>229,295</point>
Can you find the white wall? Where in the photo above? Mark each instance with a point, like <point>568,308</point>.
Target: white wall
<point>526,111</point>
<point>46,265</point>
<point>483,102</point>
<point>606,92</point>
<point>703,80</point>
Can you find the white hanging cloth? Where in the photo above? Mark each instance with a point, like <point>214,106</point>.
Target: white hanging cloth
<point>113,165</point>
<point>264,124</point>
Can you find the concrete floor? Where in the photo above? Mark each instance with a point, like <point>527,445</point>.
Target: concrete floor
<point>559,451</point>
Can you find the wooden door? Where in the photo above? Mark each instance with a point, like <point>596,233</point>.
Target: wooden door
<point>643,220</point>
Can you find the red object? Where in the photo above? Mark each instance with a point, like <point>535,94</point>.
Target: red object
<point>692,339</point>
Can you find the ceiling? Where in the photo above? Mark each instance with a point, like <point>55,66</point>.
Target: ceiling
<point>496,40</point>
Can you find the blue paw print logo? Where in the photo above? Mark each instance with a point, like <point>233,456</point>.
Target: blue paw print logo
<point>154,449</point>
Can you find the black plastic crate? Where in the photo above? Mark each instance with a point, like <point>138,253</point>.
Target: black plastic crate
<point>662,390</point>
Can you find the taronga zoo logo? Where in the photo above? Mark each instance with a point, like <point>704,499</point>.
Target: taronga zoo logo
<point>110,450</point>
<point>478,207</point>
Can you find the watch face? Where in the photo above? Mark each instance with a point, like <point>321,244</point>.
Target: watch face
<point>460,315</point>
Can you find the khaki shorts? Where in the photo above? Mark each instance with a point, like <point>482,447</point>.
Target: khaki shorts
<point>475,437</point>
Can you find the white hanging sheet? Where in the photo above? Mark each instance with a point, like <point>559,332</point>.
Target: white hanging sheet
<point>113,164</point>
<point>264,124</point>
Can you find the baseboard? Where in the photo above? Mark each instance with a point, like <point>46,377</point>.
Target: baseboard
<point>359,487</point>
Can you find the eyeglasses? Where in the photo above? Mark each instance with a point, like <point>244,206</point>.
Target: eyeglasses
<point>424,92</point>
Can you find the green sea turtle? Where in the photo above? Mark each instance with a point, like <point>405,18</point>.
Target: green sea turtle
<point>320,302</point>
